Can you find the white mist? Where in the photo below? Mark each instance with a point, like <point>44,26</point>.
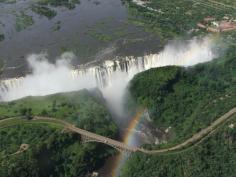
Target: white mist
<point>47,78</point>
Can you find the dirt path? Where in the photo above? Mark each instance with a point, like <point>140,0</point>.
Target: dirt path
<point>23,148</point>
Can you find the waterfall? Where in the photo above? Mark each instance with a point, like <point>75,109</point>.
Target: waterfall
<point>48,78</point>
<point>7,84</point>
<point>102,72</point>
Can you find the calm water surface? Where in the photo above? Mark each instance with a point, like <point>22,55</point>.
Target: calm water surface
<point>78,30</point>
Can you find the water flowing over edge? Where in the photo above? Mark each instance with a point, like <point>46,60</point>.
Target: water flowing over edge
<point>47,78</point>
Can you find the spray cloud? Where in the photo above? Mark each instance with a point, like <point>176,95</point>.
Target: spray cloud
<point>47,78</point>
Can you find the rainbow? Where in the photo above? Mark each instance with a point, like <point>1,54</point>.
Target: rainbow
<point>128,139</point>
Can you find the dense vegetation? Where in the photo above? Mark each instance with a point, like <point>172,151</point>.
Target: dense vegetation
<point>168,19</point>
<point>43,7</point>
<point>187,99</point>
<point>79,108</point>
<point>70,4</point>
<point>184,100</point>
<point>214,157</point>
<point>52,151</point>
<point>23,21</point>
<point>44,11</point>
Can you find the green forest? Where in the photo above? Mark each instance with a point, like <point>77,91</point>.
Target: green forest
<point>188,100</point>
<point>213,157</point>
<point>53,151</point>
<point>170,19</point>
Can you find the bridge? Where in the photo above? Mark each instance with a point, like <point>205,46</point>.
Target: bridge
<point>87,136</point>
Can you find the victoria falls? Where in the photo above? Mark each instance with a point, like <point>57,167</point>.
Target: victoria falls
<point>117,88</point>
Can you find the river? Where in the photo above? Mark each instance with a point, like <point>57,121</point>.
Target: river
<point>93,30</point>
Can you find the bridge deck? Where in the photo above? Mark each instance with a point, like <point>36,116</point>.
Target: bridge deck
<point>91,135</point>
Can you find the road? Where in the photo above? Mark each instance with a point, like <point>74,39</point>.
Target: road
<point>124,147</point>
<point>196,137</point>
